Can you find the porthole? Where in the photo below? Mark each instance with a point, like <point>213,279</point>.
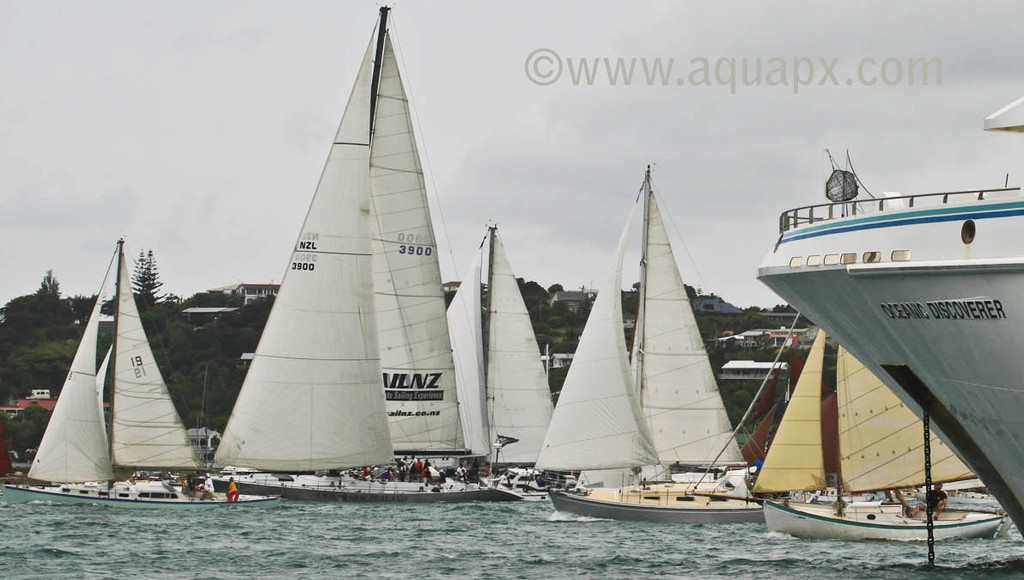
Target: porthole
<point>848,258</point>
<point>871,516</point>
<point>872,257</point>
<point>900,255</point>
<point>831,259</point>
<point>796,262</point>
<point>967,232</point>
<point>814,260</point>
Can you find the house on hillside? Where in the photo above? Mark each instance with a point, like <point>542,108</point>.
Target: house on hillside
<point>574,298</point>
<point>250,292</point>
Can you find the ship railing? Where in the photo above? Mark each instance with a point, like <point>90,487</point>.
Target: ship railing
<point>811,214</point>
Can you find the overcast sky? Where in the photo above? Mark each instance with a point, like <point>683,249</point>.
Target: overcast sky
<point>199,129</point>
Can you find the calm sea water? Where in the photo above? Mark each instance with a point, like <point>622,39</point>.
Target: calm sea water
<point>507,540</point>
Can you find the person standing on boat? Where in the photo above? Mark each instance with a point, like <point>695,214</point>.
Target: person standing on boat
<point>232,490</point>
<point>208,487</point>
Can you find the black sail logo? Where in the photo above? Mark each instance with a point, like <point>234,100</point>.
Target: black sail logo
<point>413,387</point>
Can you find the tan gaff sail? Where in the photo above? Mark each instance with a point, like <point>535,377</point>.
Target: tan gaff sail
<point>795,460</point>
<point>881,441</point>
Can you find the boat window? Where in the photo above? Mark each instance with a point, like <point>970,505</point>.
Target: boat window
<point>871,516</point>
<point>872,257</point>
<point>719,499</point>
<point>145,494</point>
<point>652,497</point>
<point>848,258</point>
<point>685,498</point>
<point>104,494</point>
<point>122,495</point>
<point>814,260</point>
<point>967,232</point>
<point>831,259</point>
<point>83,491</point>
<point>900,255</point>
<point>796,262</point>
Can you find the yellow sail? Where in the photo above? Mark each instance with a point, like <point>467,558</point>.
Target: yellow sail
<point>881,441</point>
<point>794,460</point>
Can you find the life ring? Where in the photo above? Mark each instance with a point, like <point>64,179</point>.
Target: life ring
<point>233,495</point>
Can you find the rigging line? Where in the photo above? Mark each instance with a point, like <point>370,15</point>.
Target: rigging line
<point>664,211</point>
<point>400,62</point>
<point>753,403</point>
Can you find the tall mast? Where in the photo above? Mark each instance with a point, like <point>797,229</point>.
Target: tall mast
<point>377,63</point>
<point>488,395</point>
<point>113,342</point>
<point>638,332</point>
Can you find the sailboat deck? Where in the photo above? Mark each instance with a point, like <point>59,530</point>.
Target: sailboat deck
<point>669,495</point>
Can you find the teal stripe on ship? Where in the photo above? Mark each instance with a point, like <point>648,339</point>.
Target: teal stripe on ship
<point>897,218</point>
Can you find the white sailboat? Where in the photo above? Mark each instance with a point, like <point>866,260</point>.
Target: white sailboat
<point>663,411</point>
<point>145,432</point>
<point>507,377</point>
<point>361,301</point>
<point>880,448</point>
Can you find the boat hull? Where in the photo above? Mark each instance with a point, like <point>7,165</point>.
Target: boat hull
<point>373,492</point>
<point>942,323</point>
<point>582,505</point>
<point>819,522</point>
<point>18,494</point>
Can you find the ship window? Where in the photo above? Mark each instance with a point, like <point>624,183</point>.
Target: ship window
<point>900,255</point>
<point>871,257</point>
<point>848,258</point>
<point>814,260</point>
<point>685,498</point>
<point>796,262</point>
<point>652,497</point>
<point>122,495</point>
<point>967,232</point>
<point>831,259</point>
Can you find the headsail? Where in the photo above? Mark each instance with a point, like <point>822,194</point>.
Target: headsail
<point>465,321</point>
<point>519,397</point>
<point>147,431</point>
<point>597,423</point>
<point>415,348</point>
<point>880,439</point>
<point>74,447</point>
<point>795,460</point>
<point>312,398</point>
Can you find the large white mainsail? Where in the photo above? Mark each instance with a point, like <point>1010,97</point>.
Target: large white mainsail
<point>312,397</point>
<point>881,441</point>
<point>597,423</point>
<point>74,447</point>
<point>146,431</point>
<point>465,322</point>
<point>678,391</point>
<point>415,348</point>
<point>518,395</point>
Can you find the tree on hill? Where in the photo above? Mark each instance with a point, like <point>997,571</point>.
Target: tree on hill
<point>146,280</point>
<point>49,286</point>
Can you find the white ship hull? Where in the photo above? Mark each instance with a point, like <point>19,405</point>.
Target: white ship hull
<point>873,521</point>
<point>940,320</point>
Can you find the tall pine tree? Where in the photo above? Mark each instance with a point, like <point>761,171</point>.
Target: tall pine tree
<point>146,279</point>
